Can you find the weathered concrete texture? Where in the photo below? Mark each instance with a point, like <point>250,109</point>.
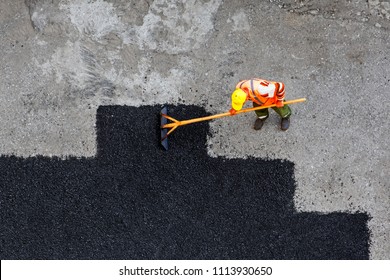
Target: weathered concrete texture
<point>62,59</point>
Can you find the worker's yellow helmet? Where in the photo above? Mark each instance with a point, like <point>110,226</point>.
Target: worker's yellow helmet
<point>238,99</point>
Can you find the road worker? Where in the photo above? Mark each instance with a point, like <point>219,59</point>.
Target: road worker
<point>261,93</point>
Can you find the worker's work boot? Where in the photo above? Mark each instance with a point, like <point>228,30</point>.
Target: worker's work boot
<point>285,123</point>
<point>258,124</point>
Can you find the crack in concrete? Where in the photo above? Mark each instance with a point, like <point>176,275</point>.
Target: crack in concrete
<point>372,12</point>
<point>30,4</point>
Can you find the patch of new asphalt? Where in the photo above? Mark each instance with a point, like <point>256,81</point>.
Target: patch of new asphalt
<point>136,201</point>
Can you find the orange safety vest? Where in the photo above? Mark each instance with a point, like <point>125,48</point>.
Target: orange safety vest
<point>261,91</point>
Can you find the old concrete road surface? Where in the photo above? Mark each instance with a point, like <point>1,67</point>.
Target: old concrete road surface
<point>67,66</point>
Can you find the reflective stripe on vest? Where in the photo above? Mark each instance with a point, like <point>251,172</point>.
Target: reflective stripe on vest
<point>254,94</point>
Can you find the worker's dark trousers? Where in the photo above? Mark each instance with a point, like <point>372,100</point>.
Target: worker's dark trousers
<point>283,112</point>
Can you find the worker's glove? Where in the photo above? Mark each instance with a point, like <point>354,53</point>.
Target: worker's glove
<point>279,104</point>
<point>232,111</point>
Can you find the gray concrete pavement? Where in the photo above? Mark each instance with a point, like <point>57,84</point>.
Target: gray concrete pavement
<point>62,59</point>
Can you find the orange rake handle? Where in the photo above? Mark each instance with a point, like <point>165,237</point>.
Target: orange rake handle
<point>176,123</point>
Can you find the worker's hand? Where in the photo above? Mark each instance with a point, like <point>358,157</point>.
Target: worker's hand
<point>232,111</point>
<point>279,104</point>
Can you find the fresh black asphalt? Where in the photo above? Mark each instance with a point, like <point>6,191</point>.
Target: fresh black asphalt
<point>136,201</point>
